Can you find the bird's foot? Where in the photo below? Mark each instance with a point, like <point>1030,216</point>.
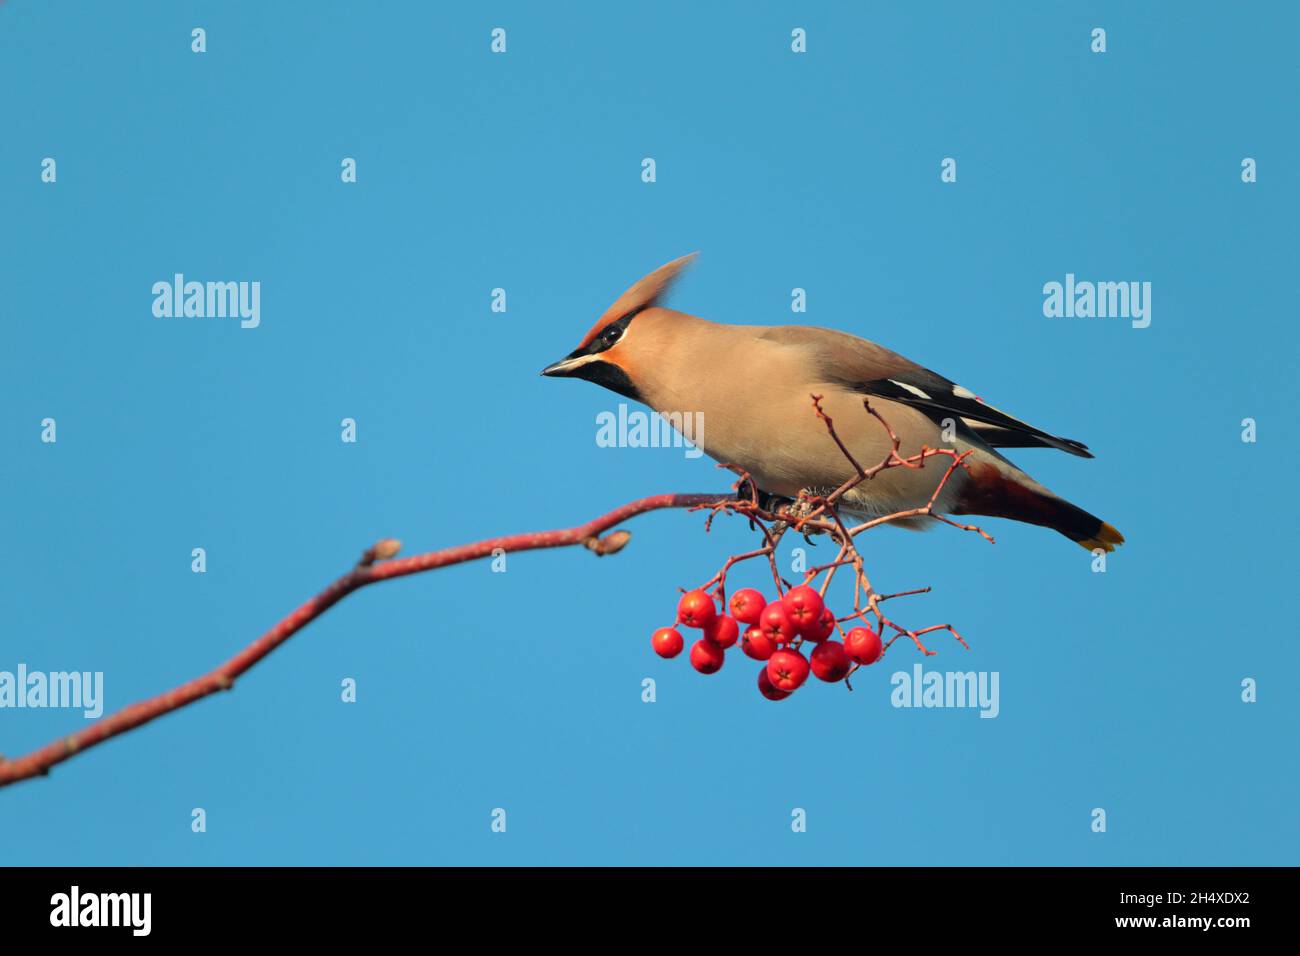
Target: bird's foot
<point>775,504</point>
<point>790,510</point>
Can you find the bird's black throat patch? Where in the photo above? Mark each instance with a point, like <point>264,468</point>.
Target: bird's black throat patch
<point>608,375</point>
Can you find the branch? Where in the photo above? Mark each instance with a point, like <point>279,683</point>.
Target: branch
<point>808,514</point>
<point>375,565</point>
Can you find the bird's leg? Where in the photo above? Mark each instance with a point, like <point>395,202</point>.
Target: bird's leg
<point>774,504</point>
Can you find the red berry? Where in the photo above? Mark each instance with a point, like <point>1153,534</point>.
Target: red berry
<point>829,662</point>
<point>695,609</point>
<point>756,644</point>
<point>863,645</point>
<point>803,605</point>
<point>767,690</point>
<point>667,642</point>
<point>747,605</point>
<point>707,657</point>
<point>722,631</point>
<point>824,628</point>
<point>787,670</point>
<point>776,624</point>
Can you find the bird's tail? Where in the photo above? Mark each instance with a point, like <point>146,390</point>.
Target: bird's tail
<point>1084,529</point>
<point>1001,495</point>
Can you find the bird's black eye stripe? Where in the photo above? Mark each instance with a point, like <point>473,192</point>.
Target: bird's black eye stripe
<point>610,334</point>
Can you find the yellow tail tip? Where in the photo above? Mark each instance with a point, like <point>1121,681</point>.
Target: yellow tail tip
<point>1107,539</point>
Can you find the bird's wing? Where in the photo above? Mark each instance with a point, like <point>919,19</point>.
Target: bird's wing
<point>868,368</point>
<point>995,436</point>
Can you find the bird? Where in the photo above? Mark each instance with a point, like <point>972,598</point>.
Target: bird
<point>751,387</point>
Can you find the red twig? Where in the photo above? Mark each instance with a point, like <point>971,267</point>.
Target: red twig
<point>375,565</point>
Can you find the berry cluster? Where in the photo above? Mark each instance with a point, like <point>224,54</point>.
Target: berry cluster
<point>775,632</point>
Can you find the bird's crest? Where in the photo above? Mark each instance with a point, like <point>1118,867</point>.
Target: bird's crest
<point>643,294</point>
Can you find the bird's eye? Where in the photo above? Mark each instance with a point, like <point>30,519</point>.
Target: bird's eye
<point>611,335</point>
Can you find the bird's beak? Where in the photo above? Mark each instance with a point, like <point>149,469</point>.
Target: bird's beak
<point>593,367</point>
<point>565,366</point>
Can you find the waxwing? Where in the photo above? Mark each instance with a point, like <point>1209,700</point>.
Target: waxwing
<point>751,387</point>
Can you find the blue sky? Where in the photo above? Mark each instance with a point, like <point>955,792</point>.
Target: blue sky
<point>521,171</point>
